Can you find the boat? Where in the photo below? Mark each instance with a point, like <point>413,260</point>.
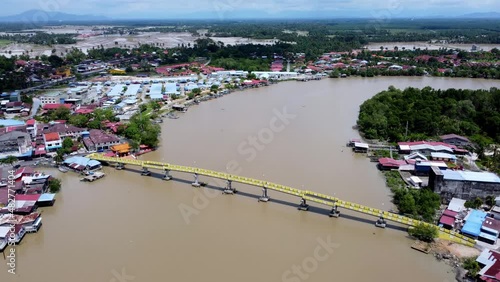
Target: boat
<point>172,116</point>
<point>37,177</point>
<point>63,169</point>
<point>93,176</point>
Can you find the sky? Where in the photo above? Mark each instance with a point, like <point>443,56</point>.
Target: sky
<point>165,9</point>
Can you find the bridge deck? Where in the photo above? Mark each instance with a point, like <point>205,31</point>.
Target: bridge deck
<point>307,195</point>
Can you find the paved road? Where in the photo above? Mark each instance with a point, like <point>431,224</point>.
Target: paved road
<point>35,106</point>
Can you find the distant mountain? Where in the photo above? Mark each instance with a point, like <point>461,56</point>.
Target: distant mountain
<point>40,17</point>
<point>489,15</point>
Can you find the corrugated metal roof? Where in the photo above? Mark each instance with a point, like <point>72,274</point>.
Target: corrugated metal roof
<point>472,228</point>
<point>471,176</point>
<point>46,197</point>
<point>456,205</point>
<point>443,156</point>
<point>361,145</point>
<point>448,220</point>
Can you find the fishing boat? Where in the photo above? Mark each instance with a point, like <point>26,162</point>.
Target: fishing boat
<point>37,177</point>
<point>63,169</point>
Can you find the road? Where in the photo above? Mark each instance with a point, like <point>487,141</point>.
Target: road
<point>34,108</point>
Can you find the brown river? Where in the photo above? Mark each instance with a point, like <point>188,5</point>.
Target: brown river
<point>127,227</point>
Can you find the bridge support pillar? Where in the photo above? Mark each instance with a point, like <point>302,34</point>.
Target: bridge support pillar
<point>264,197</point>
<point>145,172</point>
<point>229,188</point>
<point>303,205</point>
<point>196,183</point>
<point>335,212</point>
<point>167,175</point>
<point>381,222</point>
<point>119,166</point>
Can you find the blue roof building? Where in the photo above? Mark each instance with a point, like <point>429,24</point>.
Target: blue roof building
<point>80,163</point>
<point>11,122</point>
<point>473,223</point>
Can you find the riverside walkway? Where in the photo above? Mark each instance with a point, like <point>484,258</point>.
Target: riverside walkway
<point>332,202</point>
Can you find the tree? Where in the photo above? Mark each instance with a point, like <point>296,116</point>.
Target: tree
<point>472,266</point>
<point>61,113</point>
<point>154,105</point>
<point>59,157</point>
<point>474,204</point>
<point>8,160</point>
<point>424,232</point>
<point>54,185</point>
<point>490,201</point>
<point>78,120</point>
<point>55,61</point>
<point>196,91</point>
<point>129,69</point>
<point>67,144</point>
<point>214,88</point>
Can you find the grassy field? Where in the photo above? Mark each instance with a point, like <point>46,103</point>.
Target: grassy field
<point>4,42</point>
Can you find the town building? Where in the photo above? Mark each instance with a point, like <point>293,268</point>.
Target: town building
<point>445,157</point>
<point>52,141</point>
<point>98,140</point>
<point>50,98</point>
<point>454,139</point>
<point>81,163</point>
<point>64,130</point>
<point>17,144</point>
<point>32,128</point>
<point>489,260</point>
<point>466,185</point>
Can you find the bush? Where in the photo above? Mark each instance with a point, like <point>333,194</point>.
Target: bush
<point>424,232</point>
<point>472,266</point>
<point>54,185</point>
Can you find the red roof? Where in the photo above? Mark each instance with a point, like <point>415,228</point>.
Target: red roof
<point>492,223</point>
<point>450,213</point>
<point>33,197</point>
<point>447,220</point>
<point>388,162</point>
<point>53,136</point>
<point>55,106</point>
<point>494,270</point>
<point>24,170</point>
<point>31,122</point>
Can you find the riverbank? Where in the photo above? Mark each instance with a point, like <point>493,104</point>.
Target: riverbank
<point>209,136</point>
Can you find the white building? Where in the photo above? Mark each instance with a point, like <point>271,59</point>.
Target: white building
<point>52,141</point>
<point>50,98</point>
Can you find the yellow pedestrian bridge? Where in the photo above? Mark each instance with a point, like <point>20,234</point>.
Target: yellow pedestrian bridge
<point>333,202</point>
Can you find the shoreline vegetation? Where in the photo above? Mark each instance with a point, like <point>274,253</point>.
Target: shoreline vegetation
<point>416,114</point>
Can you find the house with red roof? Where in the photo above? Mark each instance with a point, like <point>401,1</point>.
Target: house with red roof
<point>32,127</point>
<point>489,260</point>
<point>52,141</point>
<point>389,163</point>
<point>51,107</point>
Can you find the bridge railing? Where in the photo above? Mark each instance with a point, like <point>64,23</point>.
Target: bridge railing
<point>307,195</point>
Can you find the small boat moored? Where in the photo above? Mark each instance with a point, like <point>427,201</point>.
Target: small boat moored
<point>92,176</point>
<point>63,169</point>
